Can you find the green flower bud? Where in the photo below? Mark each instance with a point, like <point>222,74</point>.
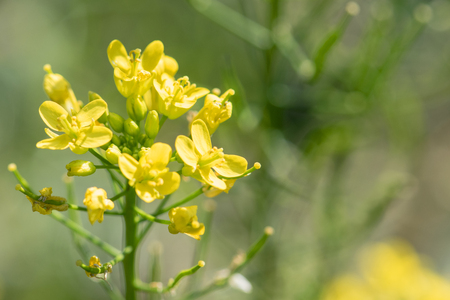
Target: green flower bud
<point>136,108</point>
<point>148,142</point>
<point>105,146</point>
<point>141,138</point>
<point>152,124</point>
<point>116,122</point>
<point>116,140</point>
<point>131,128</point>
<point>80,168</point>
<point>126,150</point>
<point>112,154</point>
<point>94,96</point>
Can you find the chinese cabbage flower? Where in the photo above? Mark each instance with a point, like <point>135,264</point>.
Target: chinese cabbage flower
<point>133,73</point>
<point>202,161</point>
<point>184,220</point>
<point>96,202</point>
<point>80,131</point>
<point>177,97</point>
<point>94,262</point>
<point>47,202</point>
<point>216,110</point>
<point>150,176</point>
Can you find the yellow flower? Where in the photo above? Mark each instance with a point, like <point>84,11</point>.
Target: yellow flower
<point>59,90</point>
<point>47,202</point>
<point>133,73</point>
<point>166,69</point>
<point>202,161</point>
<point>216,110</point>
<point>212,192</point>
<point>184,220</point>
<point>80,131</point>
<point>389,271</point>
<point>96,202</point>
<point>150,175</point>
<point>177,97</point>
<point>94,262</point>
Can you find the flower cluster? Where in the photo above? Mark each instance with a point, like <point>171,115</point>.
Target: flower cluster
<point>390,271</point>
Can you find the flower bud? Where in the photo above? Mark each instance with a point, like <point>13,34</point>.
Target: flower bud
<point>136,108</point>
<point>152,124</point>
<point>116,140</point>
<point>127,150</point>
<point>112,154</point>
<point>131,128</point>
<point>94,96</point>
<point>56,87</point>
<point>116,122</point>
<point>80,168</point>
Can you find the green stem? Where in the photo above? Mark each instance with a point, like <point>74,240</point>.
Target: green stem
<point>149,225</point>
<point>106,167</point>
<point>100,157</point>
<point>121,194</point>
<point>162,121</point>
<point>222,282</point>
<point>85,234</point>
<point>150,217</point>
<point>82,208</point>
<point>19,177</point>
<point>181,202</point>
<point>130,241</point>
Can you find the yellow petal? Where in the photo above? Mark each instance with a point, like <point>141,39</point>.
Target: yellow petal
<point>77,149</point>
<point>171,183</point>
<point>160,155</point>
<point>200,136</point>
<point>50,112</point>
<point>50,133</point>
<point>198,93</point>
<point>186,150</point>
<point>210,178</point>
<point>128,165</point>
<point>197,232</point>
<point>94,137</point>
<point>57,143</point>
<point>152,55</point>
<point>118,57</point>
<point>91,111</point>
<point>145,191</point>
<point>125,85</point>
<point>233,166</point>
<point>170,65</point>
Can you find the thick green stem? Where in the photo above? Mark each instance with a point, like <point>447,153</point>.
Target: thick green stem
<point>130,241</point>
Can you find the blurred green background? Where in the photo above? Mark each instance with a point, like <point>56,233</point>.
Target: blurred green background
<point>348,114</point>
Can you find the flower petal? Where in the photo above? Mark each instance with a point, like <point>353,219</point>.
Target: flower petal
<point>211,178</point>
<point>198,93</point>
<point>171,183</point>
<point>57,143</point>
<point>200,136</point>
<point>118,57</point>
<point>233,166</point>
<point>94,137</point>
<point>91,111</point>
<point>186,150</point>
<point>160,155</point>
<point>50,133</point>
<point>128,165</point>
<point>170,65</point>
<point>152,55</point>
<point>50,112</point>
<point>145,191</point>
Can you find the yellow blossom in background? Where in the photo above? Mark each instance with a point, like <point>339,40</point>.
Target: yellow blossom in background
<point>184,220</point>
<point>202,161</point>
<point>80,130</point>
<point>94,262</point>
<point>216,110</point>
<point>150,176</point>
<point>132,72</point>
<point>96,202</point>
<point>177,97</point>
<point>59,90</point>
<point>47,202</point>
<point>390,271</point>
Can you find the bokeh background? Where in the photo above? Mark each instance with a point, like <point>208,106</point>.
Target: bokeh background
<point>346,106</point>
